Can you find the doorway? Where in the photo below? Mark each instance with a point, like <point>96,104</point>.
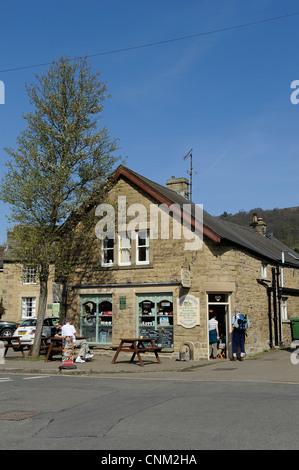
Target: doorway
<point>218,304</point>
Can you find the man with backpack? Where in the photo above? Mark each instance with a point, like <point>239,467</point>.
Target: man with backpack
<point>240,324</point>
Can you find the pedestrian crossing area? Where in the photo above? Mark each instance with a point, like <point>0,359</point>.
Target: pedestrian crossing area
<point>11,379</point>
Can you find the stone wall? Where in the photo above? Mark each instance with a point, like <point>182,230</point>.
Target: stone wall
<point>14,290</point>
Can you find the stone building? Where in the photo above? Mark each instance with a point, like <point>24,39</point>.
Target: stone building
<point>178,267</point>
<point>19,287</point>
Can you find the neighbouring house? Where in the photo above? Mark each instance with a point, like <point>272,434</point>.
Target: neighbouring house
<point>165,280</point>
<point>19,287</point>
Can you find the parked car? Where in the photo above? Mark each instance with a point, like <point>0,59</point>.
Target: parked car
<point>26,330</point>
<point>7,328</point>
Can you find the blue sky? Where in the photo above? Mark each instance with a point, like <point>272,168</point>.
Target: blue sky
<point>226,95</point>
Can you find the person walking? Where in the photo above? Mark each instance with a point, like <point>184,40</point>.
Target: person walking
<point>240,325</point>
<point>84,352</point>
<point>213,337</point>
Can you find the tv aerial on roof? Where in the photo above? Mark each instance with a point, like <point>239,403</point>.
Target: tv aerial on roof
<point>189,154</point>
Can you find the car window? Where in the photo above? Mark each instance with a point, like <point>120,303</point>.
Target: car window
<point>50,321</point>
<point>29,322</point>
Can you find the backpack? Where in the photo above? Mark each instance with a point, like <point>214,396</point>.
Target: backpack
<point>241,322</point>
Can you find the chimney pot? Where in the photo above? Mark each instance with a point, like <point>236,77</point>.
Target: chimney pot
<point>258,224</point>
<point>180,185</point>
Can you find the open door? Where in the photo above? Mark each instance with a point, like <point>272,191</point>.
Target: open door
<point>218,305</point>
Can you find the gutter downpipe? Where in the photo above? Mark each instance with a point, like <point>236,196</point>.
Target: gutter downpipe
<point>279,306</point>
<point>270,317</point>
<point>274,308</point>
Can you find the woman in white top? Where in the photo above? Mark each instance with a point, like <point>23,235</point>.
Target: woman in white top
<point>213,337</point>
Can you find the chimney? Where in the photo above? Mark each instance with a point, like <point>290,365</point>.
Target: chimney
<point>180,185</point>
<point>258,224</point>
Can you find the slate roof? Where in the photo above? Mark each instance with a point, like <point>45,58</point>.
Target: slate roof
<point>268,248</point>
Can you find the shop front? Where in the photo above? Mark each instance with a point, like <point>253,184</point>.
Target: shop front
<point>126,312</point>
<point>96,318</point>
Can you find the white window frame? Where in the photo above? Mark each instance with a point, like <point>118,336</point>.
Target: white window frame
<point>264,271</point>
<point>122,249</point>
<point>29,275</point>
<point>28,307</point>
<point>104,250</point>
<point>145,234</point>
<point>284,308</point>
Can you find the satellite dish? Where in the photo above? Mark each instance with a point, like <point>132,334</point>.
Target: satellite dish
<point>269,234</point>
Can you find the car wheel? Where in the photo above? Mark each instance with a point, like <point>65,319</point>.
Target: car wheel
<point>6,332</point>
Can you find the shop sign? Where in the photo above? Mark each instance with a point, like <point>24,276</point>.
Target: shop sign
<point>188,311</point>
<point>185,278</point>
<point>122,302</point>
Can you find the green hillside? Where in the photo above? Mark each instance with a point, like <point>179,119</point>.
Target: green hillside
<point>284,223</point>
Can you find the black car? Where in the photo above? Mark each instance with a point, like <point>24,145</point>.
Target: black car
<point>7,328</point>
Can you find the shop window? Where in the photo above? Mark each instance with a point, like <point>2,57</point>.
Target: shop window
<point>147,307</point>
<point>96,319</point>
<point>155,318</point>
<point>142,247</point>
<point>107,252</point>
<point>89,308</point>
<point>124,250</point>
<point>105,322</point>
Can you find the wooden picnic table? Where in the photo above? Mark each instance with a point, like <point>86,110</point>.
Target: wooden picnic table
<point>56,346</point>
<point>13,342</point>
<point>137,346</point>
<point>44,345</point>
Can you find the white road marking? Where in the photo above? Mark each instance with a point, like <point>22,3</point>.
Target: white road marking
<point>36,377</point>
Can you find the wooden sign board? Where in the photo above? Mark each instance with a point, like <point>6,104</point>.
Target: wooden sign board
<point>67,351</point>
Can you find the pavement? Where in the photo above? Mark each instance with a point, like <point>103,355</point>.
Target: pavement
<point>274,366</point>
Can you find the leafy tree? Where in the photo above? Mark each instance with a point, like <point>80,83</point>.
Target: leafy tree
<point>59,169</point>
<point>225,214</point>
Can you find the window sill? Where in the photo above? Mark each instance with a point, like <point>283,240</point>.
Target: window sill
<point>130,267</point>
<point>266,279</point>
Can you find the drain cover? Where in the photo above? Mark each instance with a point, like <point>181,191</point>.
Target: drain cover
<point>226,368</point>
<point>18,415</point>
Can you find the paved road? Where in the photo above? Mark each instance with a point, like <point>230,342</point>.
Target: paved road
<point>184,411</point>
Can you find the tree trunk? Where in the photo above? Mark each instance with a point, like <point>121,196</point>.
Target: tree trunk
<point>42,305</point>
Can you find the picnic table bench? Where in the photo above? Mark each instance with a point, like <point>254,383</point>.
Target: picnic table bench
<point>13,342</point>
<point>43,346</point>
<point>136,346</point>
